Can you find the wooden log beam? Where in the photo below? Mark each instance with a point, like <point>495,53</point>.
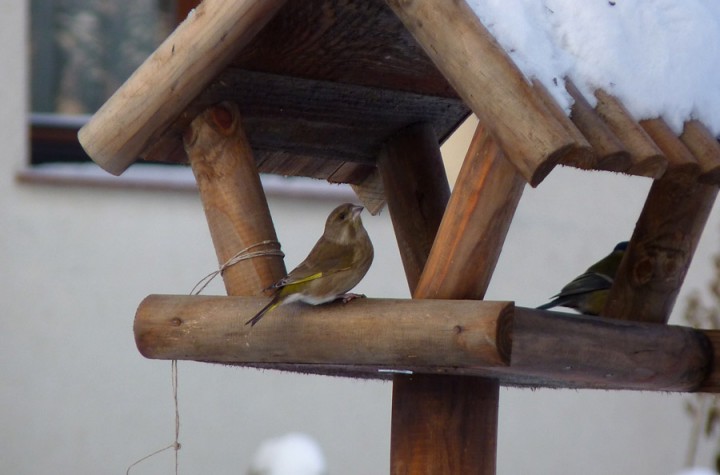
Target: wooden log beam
<point>704,146</point>
<point>382,333</point>
<point>473,230</point>
<point>145,106</point>
<point>647,159</point>
<point>661,249</point>
<point>410,165</point>
<point>591,352</point>
<point>233,198</point>
<point>680,159</point>
<point>466,339</point>
<point>490,84</point>
<point>611,153</point>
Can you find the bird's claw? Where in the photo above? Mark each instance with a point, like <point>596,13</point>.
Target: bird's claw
<point>350,296</point>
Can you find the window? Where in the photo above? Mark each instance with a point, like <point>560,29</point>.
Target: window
<point>81,52</point>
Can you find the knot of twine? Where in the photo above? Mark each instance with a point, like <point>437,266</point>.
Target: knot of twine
<point>241,255</point>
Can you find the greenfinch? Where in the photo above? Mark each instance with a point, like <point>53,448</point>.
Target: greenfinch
<point>588,292</point>
<point>337,262</point>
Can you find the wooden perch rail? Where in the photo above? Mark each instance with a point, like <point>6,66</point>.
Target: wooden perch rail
<point>375,337</point>
<point>393,334</point>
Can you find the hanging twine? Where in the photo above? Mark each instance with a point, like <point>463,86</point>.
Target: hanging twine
<point>240,256</point>
<point>176,444</point>
<point>199,287</point>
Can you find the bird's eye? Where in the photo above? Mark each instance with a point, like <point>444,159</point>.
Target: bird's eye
<point>342,215</point>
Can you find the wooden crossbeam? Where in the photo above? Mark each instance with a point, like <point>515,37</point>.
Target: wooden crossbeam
<point>377,338</point>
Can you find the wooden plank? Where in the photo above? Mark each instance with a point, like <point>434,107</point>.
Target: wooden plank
<point>647,159</point>
<point>310,120</point>
<point>704,146</point>
<point>473,230</point>
<point>489,82</point>
<point>610,152</point>
<point>661,249</point>
<point>466,339</point>
<point>233,199</point>
<point>347,42</point>
<point>185,63</point>
<point>410,165</point>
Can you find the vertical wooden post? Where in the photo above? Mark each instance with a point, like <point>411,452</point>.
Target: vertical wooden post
<point>414,178</point>
<point>233,198</point>
<point>448,424</point>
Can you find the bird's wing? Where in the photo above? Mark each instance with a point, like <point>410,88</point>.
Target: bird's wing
<point>325,258</point>
<point>587,282</point>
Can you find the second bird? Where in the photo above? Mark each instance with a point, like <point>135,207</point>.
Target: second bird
<point>588,292</point>
<point>336,264</point>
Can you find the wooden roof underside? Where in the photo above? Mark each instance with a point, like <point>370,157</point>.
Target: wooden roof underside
<point>321,87</point>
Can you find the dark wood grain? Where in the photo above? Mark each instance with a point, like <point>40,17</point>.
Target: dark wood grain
<point>661,249</point>
<point>417,192</point>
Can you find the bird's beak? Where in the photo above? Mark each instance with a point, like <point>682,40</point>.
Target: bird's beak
<point>356,210</point>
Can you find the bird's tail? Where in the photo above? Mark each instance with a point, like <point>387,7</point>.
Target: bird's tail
<point>553,303</point>
<point>273,303</point>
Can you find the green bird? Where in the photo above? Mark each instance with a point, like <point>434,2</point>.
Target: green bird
<point>588,292</point>
<point>337,262</point>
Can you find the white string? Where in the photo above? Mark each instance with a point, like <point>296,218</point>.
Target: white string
<point>176,444</point>
<point>239,256</point>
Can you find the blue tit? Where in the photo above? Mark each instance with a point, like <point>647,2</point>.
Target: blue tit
<point>588,292</point>
<point>335,265</point>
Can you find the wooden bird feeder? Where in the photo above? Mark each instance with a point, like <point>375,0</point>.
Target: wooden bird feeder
<point>363,92</point>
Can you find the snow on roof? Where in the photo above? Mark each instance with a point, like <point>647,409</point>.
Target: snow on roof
<point>659,57</point>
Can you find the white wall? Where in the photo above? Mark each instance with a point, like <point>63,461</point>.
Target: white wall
<point>77,397</point>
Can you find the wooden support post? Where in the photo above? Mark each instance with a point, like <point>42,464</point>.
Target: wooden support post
<point>480,210</point>
<point>491,85</point>
<point>411,166</point>
<point>460,415</point>
<point>233,199</point>
<point>664,240</point>
<point>142,108</point>
<point>473,230</point>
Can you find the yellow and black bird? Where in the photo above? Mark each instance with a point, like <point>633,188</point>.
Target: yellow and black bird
<point>336,264</point>
<point>588,292</point>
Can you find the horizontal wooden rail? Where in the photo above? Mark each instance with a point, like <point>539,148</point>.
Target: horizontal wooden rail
<point>378,337</point>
